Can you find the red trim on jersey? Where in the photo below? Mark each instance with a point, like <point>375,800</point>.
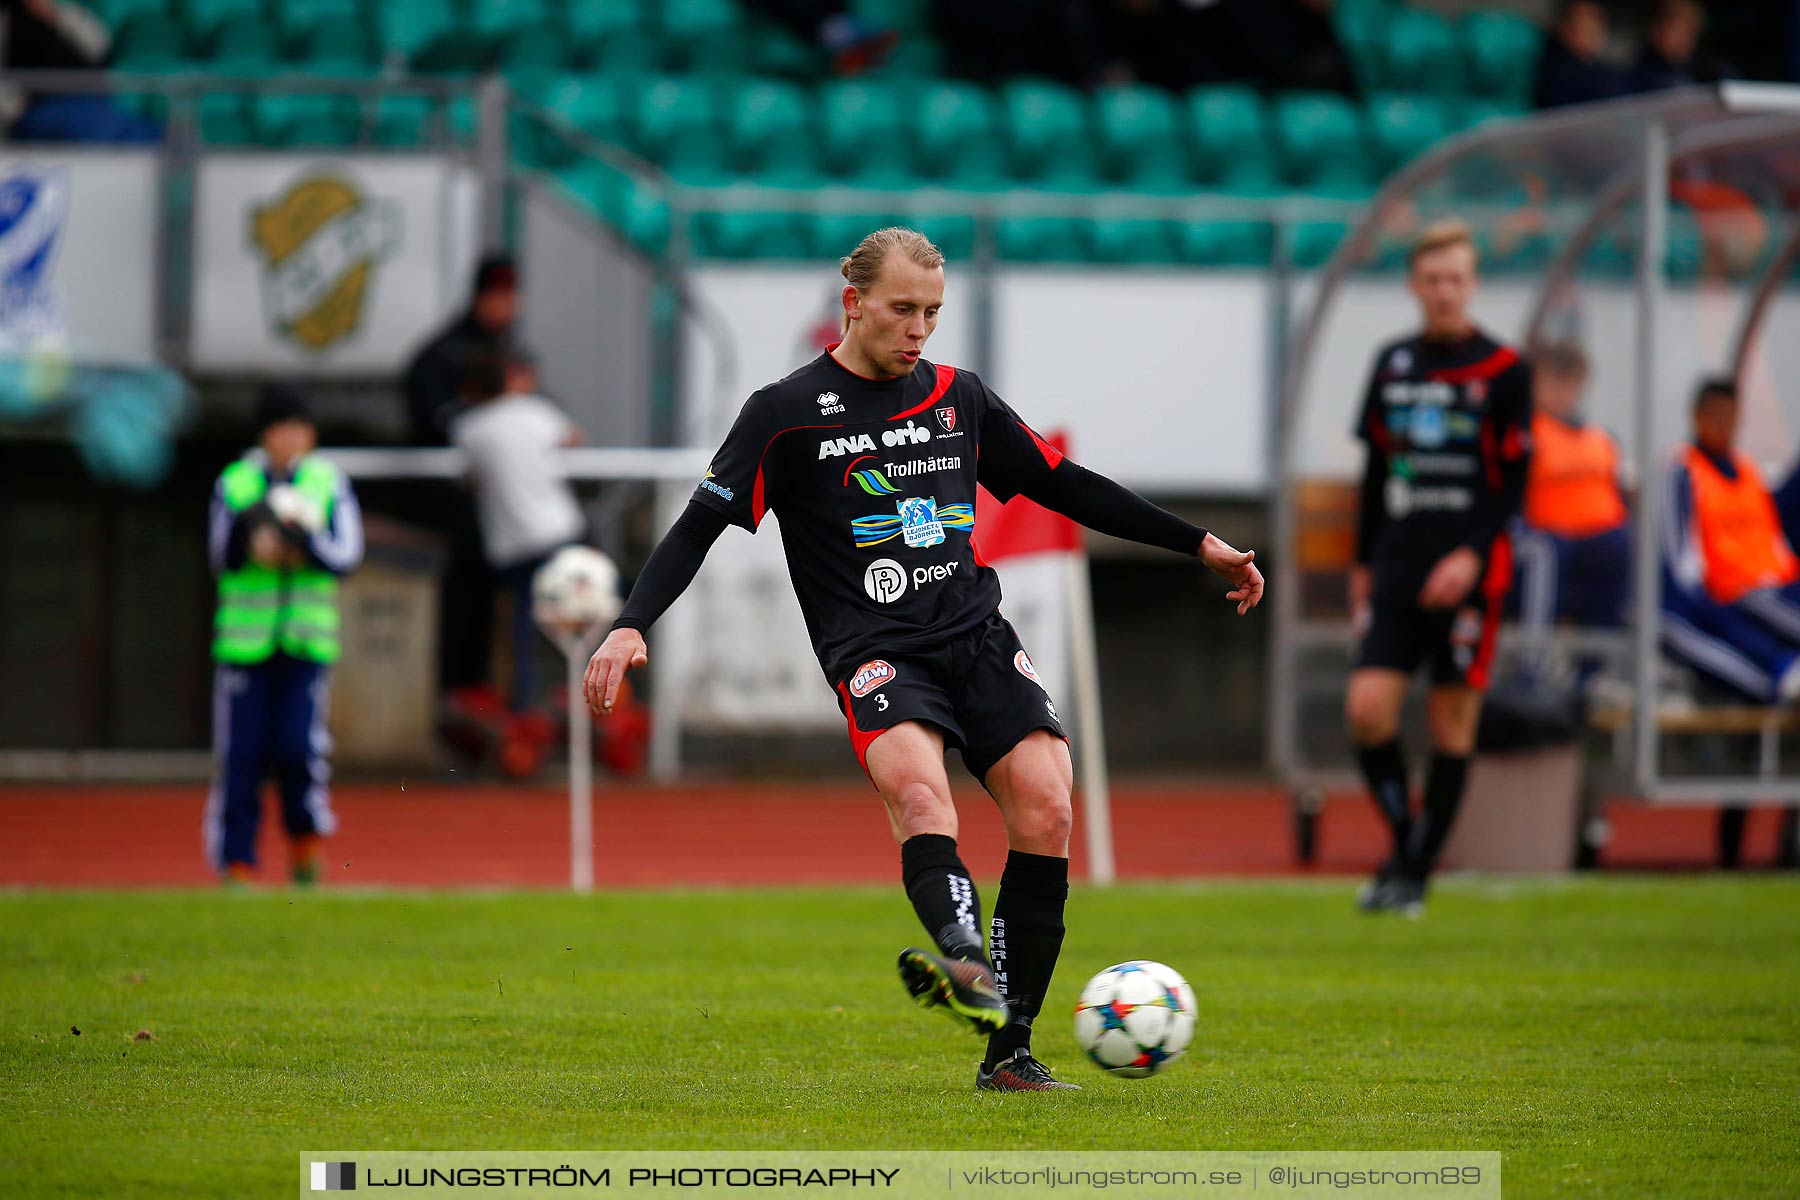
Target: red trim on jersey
<point>1487,368</point>
<point>1490,453</point>
<point>946,375</point>
<point>975,551</point>
<point>1494,586</point>
<point>757,507</point>
<point>1052,456</point>
<point>860,739</point>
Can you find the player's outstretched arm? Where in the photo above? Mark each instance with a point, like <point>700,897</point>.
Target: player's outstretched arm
<point>671,568</point>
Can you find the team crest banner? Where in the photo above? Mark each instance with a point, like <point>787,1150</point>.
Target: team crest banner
<point>326,266</point>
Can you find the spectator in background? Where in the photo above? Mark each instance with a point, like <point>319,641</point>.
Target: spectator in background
<point>52,35</point>
<point>433,389</point>
<point>284,526</point>
<point>528,510</point>
<point>853,42</point>
<point>1293,44</point>
<point>1667,59</point>
<point>1731,582</point>
<point>1573,549</point>
<point>995,39</point>
<point>1573,69</point>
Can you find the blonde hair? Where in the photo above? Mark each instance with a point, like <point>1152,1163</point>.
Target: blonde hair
<point>1441,235</point>
<point>862,265</point>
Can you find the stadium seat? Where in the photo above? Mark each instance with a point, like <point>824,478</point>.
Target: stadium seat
<point>1048,132</point>
<point>590,103</point>
<point>1229,127</point>
<point>224,119</point>
<point>836,234</point>
<point>1320,139</point>
<point>753,235</point>
<point>1313,240</point>
<point>953,233</point>
<point>1140,135</point>
<point>768,127</point>
<point>1131,240</point>
<point>306,120</point>
<point>1401,127</point>
<point>335,45</point>
<point>674,122</point>
<point>205,16</point>
<point>405,27</point>
<point>533,58</point>
<point>703,35</point>
<point>243,45</point>
<point>502,18</point>
<point>116,12</point>
<point>856,117</point>
<point>777,50</point>
<point>1473,111</point>
<point>1421,54</point>
<point>458,51</point>
<point>955,139</point>
<point>405,121</point>
<point>1223,243</point>
<point>149,43</point>
<point>1041,239</point>
<point>1362,30</point>
<point>916,57</point>
<point>639,215</point>
<point>1500,54</point>
<point>590,22</point>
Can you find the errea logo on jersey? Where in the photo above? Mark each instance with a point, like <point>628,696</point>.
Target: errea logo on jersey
<point>863,443</point>
<point>829,404</point>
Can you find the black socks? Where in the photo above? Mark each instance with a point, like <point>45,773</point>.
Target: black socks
<point>1444,784</point>
<point>943,895</point>
<point>1027,938</point>
<point>1384,766</point>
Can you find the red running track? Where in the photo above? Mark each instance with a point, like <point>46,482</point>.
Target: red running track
<point>730,833</point>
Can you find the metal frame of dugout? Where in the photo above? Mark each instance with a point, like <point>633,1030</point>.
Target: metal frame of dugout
<point>1618,156</point>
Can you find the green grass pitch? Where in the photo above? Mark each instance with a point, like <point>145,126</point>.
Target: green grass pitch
<point>1613,1037</point>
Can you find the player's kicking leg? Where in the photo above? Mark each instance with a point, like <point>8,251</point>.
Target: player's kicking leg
<point>1031,784</point>
<point>906,764</point>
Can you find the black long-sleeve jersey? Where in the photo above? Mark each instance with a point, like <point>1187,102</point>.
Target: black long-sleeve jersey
<point>875,482</point>
<point>1448,427</point>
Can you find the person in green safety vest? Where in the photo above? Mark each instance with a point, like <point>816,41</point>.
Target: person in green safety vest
<point>284,527</point>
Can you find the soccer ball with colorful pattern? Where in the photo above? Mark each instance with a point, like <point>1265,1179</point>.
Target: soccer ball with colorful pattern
<point>575,592</point>
<point>1136,1018</point>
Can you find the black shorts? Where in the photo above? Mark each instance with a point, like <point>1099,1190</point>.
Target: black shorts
<point>979,689</point>
<point>1458,643</point>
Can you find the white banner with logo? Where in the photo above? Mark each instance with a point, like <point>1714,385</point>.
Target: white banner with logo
<point>327,265</point>
<point>78,244</point>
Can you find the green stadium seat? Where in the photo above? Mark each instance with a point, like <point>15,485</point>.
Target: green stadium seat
<point>245,46</point>
<point>503,18</point>
<point>639,215</point>
<point>836,234</point>
<point>674,121</point>
<point>1229,127</point>
<point>1362,30</point>
<point>752,235</point>
<point>591,104</point>
<point>459,51</point>
<point>306,120</point>
<point>955,138</point>
<point>406,27</point>
<point>917,57</point>
<point>1313,240</point>
<point>777,50</point>
<point>224,119</point>
<point>626,52</point>
<point>1141,138</point>
<point>1473,111</point>
<point>1041,239</point>
<point>860,125</point>
<point>149,43</point>
<point>768,127</point>
<point>336,45</point>
<point>1048,132</point>
<point>1401,127</point>
<point>405,121</point>
<point>204,16</point>
<point>116,12</point>
<point>1320,139</point>
<point>589,22</point>
<point>534,57</point>
<point>1131,240</point>
<point>297,17</point>
<point>953,233</point>
<point>1421,54</point>
<point>1223,243</point>
<point>1500,54</point>
<point>908,16</point>
<point>703,35</point>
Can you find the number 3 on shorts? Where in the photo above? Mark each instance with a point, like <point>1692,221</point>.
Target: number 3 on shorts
<point>881,701</point>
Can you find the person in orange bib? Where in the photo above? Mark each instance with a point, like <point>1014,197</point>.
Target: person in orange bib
<point>1731,582</point>
<point>1572,550</point>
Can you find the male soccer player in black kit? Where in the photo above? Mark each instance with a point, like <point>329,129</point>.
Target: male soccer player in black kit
<point>1447,419</point>
<point>871,457</point>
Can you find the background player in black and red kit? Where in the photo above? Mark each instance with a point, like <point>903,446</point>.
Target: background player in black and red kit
<point>871,457</point>
<point>1447,419</point>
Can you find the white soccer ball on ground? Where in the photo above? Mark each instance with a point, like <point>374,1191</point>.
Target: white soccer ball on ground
<point>1135,1018</point>
<point>576,591</point>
